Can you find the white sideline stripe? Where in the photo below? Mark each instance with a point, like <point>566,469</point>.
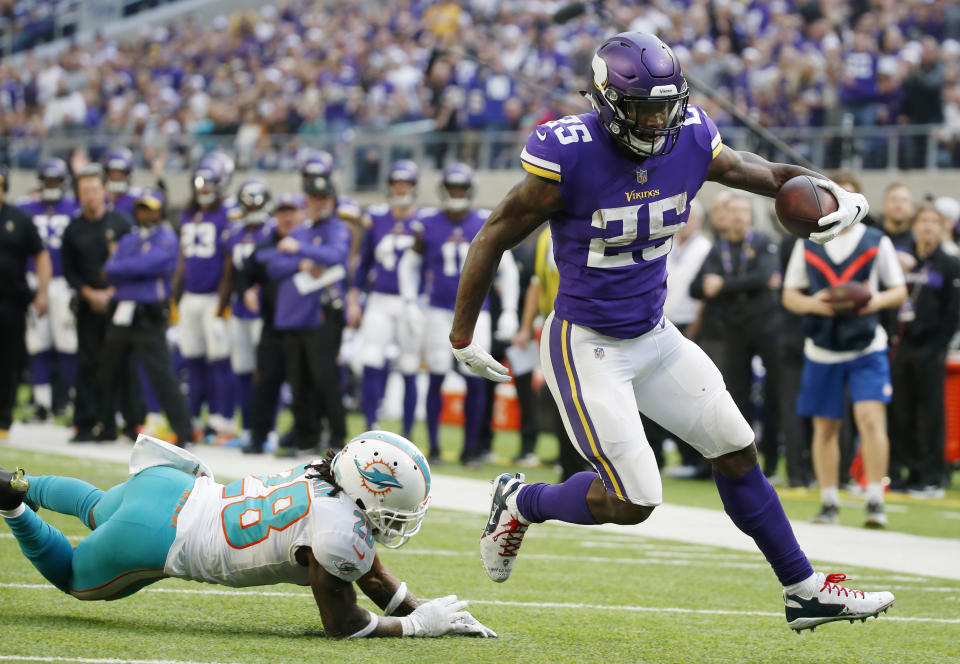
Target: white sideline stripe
<point>493,602</point>
<point>27,658</point>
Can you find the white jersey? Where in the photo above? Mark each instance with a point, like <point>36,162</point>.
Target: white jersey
<point>247,533</point>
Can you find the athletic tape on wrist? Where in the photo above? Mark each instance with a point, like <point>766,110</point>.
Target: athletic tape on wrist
<point>372,625</point>
<point>396,600</point>
<point>408,627</point>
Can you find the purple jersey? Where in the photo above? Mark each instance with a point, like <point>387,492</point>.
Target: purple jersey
<point>51,221</point>
<point>241,243</point>
<point>619,216</point>
<point>124,202</point>
<point>383,245</point>
<point>203,240</point>
<point>142,265</point>
<point>445,245</point>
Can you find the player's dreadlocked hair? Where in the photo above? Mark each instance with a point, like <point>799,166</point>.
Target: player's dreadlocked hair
<point>324,471</point>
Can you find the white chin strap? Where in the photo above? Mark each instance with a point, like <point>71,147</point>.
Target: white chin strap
<point>206,199</point>
<point>118,186</point>
<point>51,195</point>
<point>400,201</point>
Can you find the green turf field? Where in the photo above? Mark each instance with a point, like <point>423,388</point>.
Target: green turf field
<point>577,595</point>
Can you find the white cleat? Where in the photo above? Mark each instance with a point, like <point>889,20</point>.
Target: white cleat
<point>829,601</point>
<point>504,530</point>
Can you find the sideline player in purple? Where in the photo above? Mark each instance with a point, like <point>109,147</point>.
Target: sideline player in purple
<point>616,184</point>
<point>118,166</point>
<point>255,205</point>
<point>204,341</point>
<point>442,240</point>
<point>51,339</point>
<point>384,321</point>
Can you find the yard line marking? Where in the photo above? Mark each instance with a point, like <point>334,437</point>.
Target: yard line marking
<point>85,660</point>
<point>492,602</point>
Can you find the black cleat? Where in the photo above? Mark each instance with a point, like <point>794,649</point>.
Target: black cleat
<point>13,488</point>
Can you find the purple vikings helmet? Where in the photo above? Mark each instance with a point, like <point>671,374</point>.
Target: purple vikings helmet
<point>222,162</point>
<point>118,160</point>
<point>403,170</point>
<point>254,198</point>
<point>53,175</point>
<point>639,92</point>
<point>316,171</point>
<point>206,183</point>
<point>456,176</point>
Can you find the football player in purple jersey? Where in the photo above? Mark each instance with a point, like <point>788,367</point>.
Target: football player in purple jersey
<point>442,240</point>
<point>204,340</point>
<point>615,185</point>
<point>118,166</point>
<point>254,224</point>
<point>384,322</point>
<point>51,339</point>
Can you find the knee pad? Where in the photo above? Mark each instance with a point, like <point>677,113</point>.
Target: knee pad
<point>725,426</point>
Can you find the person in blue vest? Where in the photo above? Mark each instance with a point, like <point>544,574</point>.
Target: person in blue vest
<point>845,351</point>
<point>140,270</point>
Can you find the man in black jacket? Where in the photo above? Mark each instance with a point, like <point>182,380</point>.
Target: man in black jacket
<point>88,242</point>
<point>928,320</point>
<point>19,240</point>
<point>259,293</point>
<point>741,274</point>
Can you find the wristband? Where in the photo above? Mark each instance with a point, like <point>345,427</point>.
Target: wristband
<point>407,626</point>
<point>372,625</point>
<point>396,600</point>
<point>461,344</point>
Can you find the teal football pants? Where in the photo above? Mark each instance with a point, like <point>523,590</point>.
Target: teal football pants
<point>134,525</point>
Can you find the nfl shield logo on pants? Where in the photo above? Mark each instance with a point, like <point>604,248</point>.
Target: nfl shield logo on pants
<point>641,176</point>
<point>598,353</point>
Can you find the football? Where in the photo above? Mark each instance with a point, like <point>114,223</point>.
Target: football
<point>849,298</point>
<point>801,203</point>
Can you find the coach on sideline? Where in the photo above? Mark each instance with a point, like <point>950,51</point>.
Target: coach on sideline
<point>19,240</point>
<point>88,241</point>
<point>140,270</point>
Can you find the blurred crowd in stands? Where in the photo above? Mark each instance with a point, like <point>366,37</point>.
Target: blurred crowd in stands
<point>299,72</point>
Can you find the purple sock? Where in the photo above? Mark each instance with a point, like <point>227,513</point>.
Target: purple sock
<point>371,392</point>
<point>223,400</point>
<point>474,406</point>
<point>409,403</point>
<point>563,502</point>
<point>41,367</point>
<point>149,396</point>
<point>197,382</point>
<point>434,406</point>
<point>68,367</point>
<point>244,391</point>
<point>755,509</point>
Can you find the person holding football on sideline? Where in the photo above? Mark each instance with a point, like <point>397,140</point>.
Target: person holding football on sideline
<point>316,524</point>
<point>616,184</point>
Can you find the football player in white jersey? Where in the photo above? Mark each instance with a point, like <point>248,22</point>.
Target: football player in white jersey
<point>316,524</point>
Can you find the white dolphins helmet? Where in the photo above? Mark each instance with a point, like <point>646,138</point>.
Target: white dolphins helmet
<point>389,480</point>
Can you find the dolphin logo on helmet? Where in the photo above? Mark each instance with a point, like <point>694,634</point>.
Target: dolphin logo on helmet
<point>378,478</point>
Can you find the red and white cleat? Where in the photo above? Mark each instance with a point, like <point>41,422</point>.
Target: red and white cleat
<point>504,531</point>
<point>823,600</point>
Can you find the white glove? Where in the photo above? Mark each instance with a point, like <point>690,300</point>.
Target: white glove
<point>437,617</point>
<point>482,363</point>
<point>473,627</point>
<point>852,209</point>
<point>507,325</point>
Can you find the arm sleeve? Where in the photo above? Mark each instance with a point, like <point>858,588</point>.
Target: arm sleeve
<point>888,265</point>
<point>332,252</point>
<point>541,154</point>
<point>508,282</point>
<point>281,265</point>
<point>68,263</point>
<point>795,276</point>
<point>34,243</point>
<point>160,260</point>
<point>758,276</point>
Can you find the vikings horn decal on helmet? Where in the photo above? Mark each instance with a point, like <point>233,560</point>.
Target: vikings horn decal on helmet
<point>53,175</point>
<point>254,200</point>
<point>456,177</point>
<point>389,480</point>
<point>118,160</point>
<point>639,92</point>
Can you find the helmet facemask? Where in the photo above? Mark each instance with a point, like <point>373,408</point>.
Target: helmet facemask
<point>392,528</point>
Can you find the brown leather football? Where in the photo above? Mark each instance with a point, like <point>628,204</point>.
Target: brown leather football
<point>801,203</point>
<point>849,298</point>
